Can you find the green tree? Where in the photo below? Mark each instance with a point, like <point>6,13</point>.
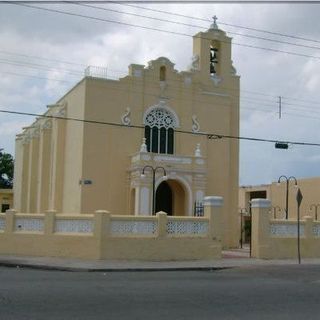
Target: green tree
<point>6,170</point>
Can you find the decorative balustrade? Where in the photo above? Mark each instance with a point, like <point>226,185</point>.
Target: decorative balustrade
<point>2,222</point>
<point>71,224</point>
<point>286,229</point>
<point>115,225</point>
<point>187,226</point>
<point>121,226</point>
<point>29,223</point>
<point>316,229</point>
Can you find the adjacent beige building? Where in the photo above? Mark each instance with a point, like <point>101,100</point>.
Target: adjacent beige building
<point>277,194</point>
<point>155,117</point>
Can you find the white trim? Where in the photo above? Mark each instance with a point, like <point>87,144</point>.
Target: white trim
<point>213,201</point>
<point>162,105</point>
<point>186,186</point>
<point>260,203</point>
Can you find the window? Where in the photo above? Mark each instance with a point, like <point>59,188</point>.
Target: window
<point>163,73</point>
<point>159,131</point>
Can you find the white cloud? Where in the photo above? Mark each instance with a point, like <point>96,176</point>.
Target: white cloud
<point>87,42</point>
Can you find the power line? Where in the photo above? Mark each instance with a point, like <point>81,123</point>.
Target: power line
<point>124,73</point>
<point>160,30</point>
<point>209,136</point>
<point>222,23</point>
<point>197,26</point>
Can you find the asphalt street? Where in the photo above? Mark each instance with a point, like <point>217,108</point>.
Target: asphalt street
<point>255,292</point>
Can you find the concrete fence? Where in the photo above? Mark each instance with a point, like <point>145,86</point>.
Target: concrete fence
<point>105,236</point>
<point>277,239</point>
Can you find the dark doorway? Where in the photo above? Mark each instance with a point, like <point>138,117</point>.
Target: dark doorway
<point>5,207</point>
<point>164,198</point>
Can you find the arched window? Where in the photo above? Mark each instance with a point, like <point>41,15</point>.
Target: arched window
<point>162,73</point>
<point>159,131</point>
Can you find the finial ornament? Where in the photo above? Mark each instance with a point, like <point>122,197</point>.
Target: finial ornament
<point>143,147</point>
<point>214,25</point>
<point>197,152</point>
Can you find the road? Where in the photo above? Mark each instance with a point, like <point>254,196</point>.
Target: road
<point>278,292</point>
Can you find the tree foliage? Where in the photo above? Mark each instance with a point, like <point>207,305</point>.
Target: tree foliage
<point>6,170</point>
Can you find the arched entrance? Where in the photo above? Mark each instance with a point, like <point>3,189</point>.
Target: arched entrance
<point>171,198</point>
<point>164,198</point>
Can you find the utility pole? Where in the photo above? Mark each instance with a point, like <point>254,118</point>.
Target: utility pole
<point>280,107</point>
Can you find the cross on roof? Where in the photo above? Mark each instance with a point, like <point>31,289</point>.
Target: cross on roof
<point>214,25</point>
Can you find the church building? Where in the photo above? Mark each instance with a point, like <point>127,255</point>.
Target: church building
<point>150,141</point>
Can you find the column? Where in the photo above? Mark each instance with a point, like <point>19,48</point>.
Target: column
<point>18,169</point>
<point>33,172</point>
<point>25,174</point>
<point>213,211</point>
<point>260,228</point>
<point>57,163</point>
<point>44,166</point>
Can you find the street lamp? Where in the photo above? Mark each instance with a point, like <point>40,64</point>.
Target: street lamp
<point>287,190</point>
<point>153,170</point>
<point>275,211</point>
<point>243,211</point>
<point>315,206</point>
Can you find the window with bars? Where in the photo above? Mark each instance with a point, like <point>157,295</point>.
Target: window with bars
<point>159,131</point>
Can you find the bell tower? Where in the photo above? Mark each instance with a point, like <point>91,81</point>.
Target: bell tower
<point>212,49</point>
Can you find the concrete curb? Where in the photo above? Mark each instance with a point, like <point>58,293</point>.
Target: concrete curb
<point>23,265</point>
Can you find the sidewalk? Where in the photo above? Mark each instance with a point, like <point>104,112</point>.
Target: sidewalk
<point>231,259</point>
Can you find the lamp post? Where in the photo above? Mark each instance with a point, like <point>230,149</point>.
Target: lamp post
<point>275,211</point>
<point>242,212</point>
<point>287,190</point>
<point>315,206</point>
<point>154,170</point>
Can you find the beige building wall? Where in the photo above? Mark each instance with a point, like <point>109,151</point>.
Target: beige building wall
<point>276,193</point>
<point>79,167</point>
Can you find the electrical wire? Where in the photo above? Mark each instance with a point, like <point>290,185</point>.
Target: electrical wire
<point>210,136</point>
<point>159,30</point>
<point>195,26</point>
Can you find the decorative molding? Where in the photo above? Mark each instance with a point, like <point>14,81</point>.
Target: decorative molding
<point>143,147</point>
<point>47,124</point>
<point>197,151</point>
<point>125,118</point>
<point>35,133</point>
<point>216,80</point>
<point>180,160</point>
<point>161,115</point>
<point>233,70</point>
<point>195,124</point>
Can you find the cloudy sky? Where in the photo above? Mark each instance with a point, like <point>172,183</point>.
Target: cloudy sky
<point>44,53</point>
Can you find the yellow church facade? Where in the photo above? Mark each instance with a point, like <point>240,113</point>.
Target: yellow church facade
<point>140,144</point>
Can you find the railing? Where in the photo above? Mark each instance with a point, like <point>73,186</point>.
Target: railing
<point>116,225</point>
<point>74,223</point>
<point>130,225</point>
<point>188,226</point>
<point>286,229</point>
